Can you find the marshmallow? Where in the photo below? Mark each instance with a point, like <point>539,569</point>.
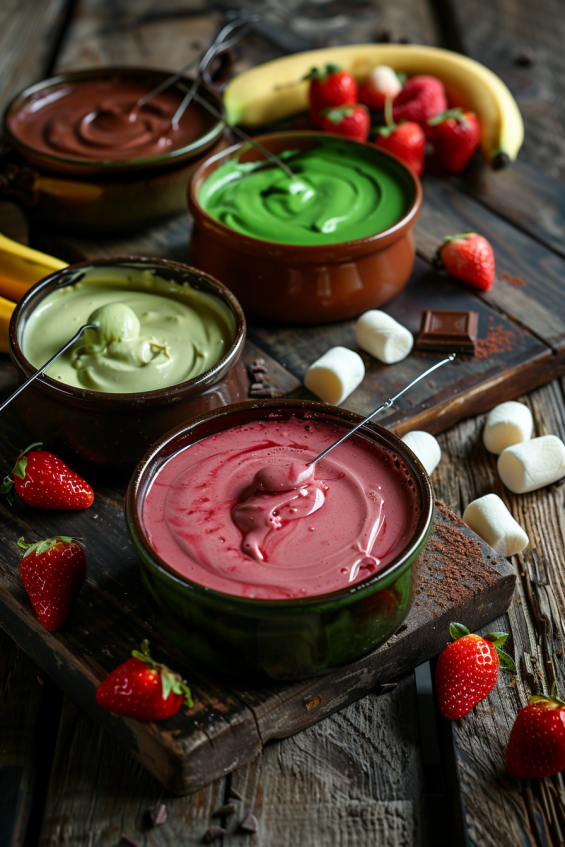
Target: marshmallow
<point>507,424</point>
<point>532,464</point>
<point>383,337</point>
<point>491,520</point>
<point>335,375</point>
<point>426,448</point>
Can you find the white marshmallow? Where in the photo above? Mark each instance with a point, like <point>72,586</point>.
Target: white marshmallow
<point>507,424</point>
<point>383,337</point>
<point>491,520</point>
<point>532,464</point>
<point>335,375</point>
<point>426,448</point>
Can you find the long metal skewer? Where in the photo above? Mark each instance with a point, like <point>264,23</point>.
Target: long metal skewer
<point>386,405</point>
<point>243,135</point>
<point>44,367</point>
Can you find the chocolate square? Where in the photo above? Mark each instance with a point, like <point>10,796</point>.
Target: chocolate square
<point>448,331</point>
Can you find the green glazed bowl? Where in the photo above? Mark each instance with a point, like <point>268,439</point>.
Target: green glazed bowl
<point>275,639</point>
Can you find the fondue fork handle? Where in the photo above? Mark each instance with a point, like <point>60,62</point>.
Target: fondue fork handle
<point>244,137</point>
<point>44,367</point>
<point>386,405</point>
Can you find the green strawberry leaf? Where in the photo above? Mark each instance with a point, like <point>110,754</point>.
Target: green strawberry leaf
<point>457,630</point>
<point>455,114</point>
<point>170,681</point>
<point>497,638</point>
<point>506,661</point>
<point>43,546</point>
<point>336,114</point>
<point>316,73</point>
<point>21,464</point>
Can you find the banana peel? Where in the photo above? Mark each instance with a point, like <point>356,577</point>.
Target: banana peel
<point>20,268</point>
<point>273,91</point>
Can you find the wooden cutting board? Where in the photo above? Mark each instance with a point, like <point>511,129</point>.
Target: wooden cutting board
<point>459,578</point>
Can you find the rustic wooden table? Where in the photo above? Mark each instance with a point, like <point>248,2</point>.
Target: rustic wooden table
<point>372,773</point>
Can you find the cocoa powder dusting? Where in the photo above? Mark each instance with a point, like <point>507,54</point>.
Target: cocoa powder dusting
<point>516,281</point>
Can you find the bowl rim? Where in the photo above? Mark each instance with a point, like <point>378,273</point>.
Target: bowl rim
<point>315,252</point>
<point>144,474</point>
<point>115,401</point>
<point>54,161</point>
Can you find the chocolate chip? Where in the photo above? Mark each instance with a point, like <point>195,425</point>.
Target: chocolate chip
<point>249,823</point>
<point>214,832</point>
<point>158,814</point>
<point>126,842</point>
<point>525,59</point>
<point>227,809</point>
<point>235,794</point>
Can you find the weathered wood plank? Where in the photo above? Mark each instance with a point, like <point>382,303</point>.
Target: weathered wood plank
<point>29,30</point>
<point>497,808</point>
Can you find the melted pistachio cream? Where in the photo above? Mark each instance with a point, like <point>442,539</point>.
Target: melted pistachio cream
<point>149,333</point>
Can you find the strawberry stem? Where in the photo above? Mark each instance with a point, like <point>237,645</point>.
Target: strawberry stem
<point>45,545</point>
<point>170,681</point>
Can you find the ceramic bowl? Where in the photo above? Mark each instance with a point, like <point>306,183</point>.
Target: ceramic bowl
<point>113,431</point>
<point>275,639</point>
<point>305,284</point>
<point>103,196</point>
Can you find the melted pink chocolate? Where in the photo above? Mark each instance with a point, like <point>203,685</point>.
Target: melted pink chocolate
<point>204,516</point>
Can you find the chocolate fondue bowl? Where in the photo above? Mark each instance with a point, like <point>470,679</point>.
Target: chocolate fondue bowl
<point>307,283</point>
<point>113,430</point>
<point>91,188</point>
<point>235,633</point>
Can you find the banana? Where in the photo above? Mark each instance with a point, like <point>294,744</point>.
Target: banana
<point>6,309</point>
<point>21,267</point>
<point>273,91</point>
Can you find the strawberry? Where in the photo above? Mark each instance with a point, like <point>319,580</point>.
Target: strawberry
<point>406,140</point>
<point>328,88</point>
<point>353,121</point>
<point>455,135</point>
<point>422,98</point>
<point>468,257</point>
<point>43,480</point>
<point>536,746</point>
<point>140,688</point>
<point>52,572</point>
<point>467,670</point>
<point>381,83</point>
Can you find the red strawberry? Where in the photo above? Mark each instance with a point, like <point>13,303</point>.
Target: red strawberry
<point>43,480</point>
<point>422,98</point>
<point>468,257</point>
<point>328,88</point>
<point>353,121</point>
<point>406,140</point>
<point>143,689</point>
<point>381,83</point>
<point>467,670</point>
<point>52,572</point>
<point>455,135</point>
<point>536,746</point>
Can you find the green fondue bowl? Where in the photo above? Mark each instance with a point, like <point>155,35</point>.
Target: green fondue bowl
<point>275,639</point>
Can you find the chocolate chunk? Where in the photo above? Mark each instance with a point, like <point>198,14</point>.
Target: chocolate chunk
<point>227,809</point>
<point>526,58</point>
<point>448,331</point>
<point>157,815</point>
<point>235,794</point>
<point>126,842</point>
<point>214,832</point>
<point>249,823</point>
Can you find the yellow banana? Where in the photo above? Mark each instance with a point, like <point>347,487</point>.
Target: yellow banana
<point>273,91</point>
<point>21,267</point>
<point>6,309</point>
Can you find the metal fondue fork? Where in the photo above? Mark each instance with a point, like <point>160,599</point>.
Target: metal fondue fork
<point>386,405</point>
<point>44,367</point>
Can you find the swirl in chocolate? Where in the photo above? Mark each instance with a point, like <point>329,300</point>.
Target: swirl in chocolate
<point>98,119</point>
<point>206,517</point>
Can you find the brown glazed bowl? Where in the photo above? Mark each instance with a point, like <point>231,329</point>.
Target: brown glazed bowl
<point>103,196</point>
<point>303,284</point>
<point>113,431</point>
<point>275,639</point>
